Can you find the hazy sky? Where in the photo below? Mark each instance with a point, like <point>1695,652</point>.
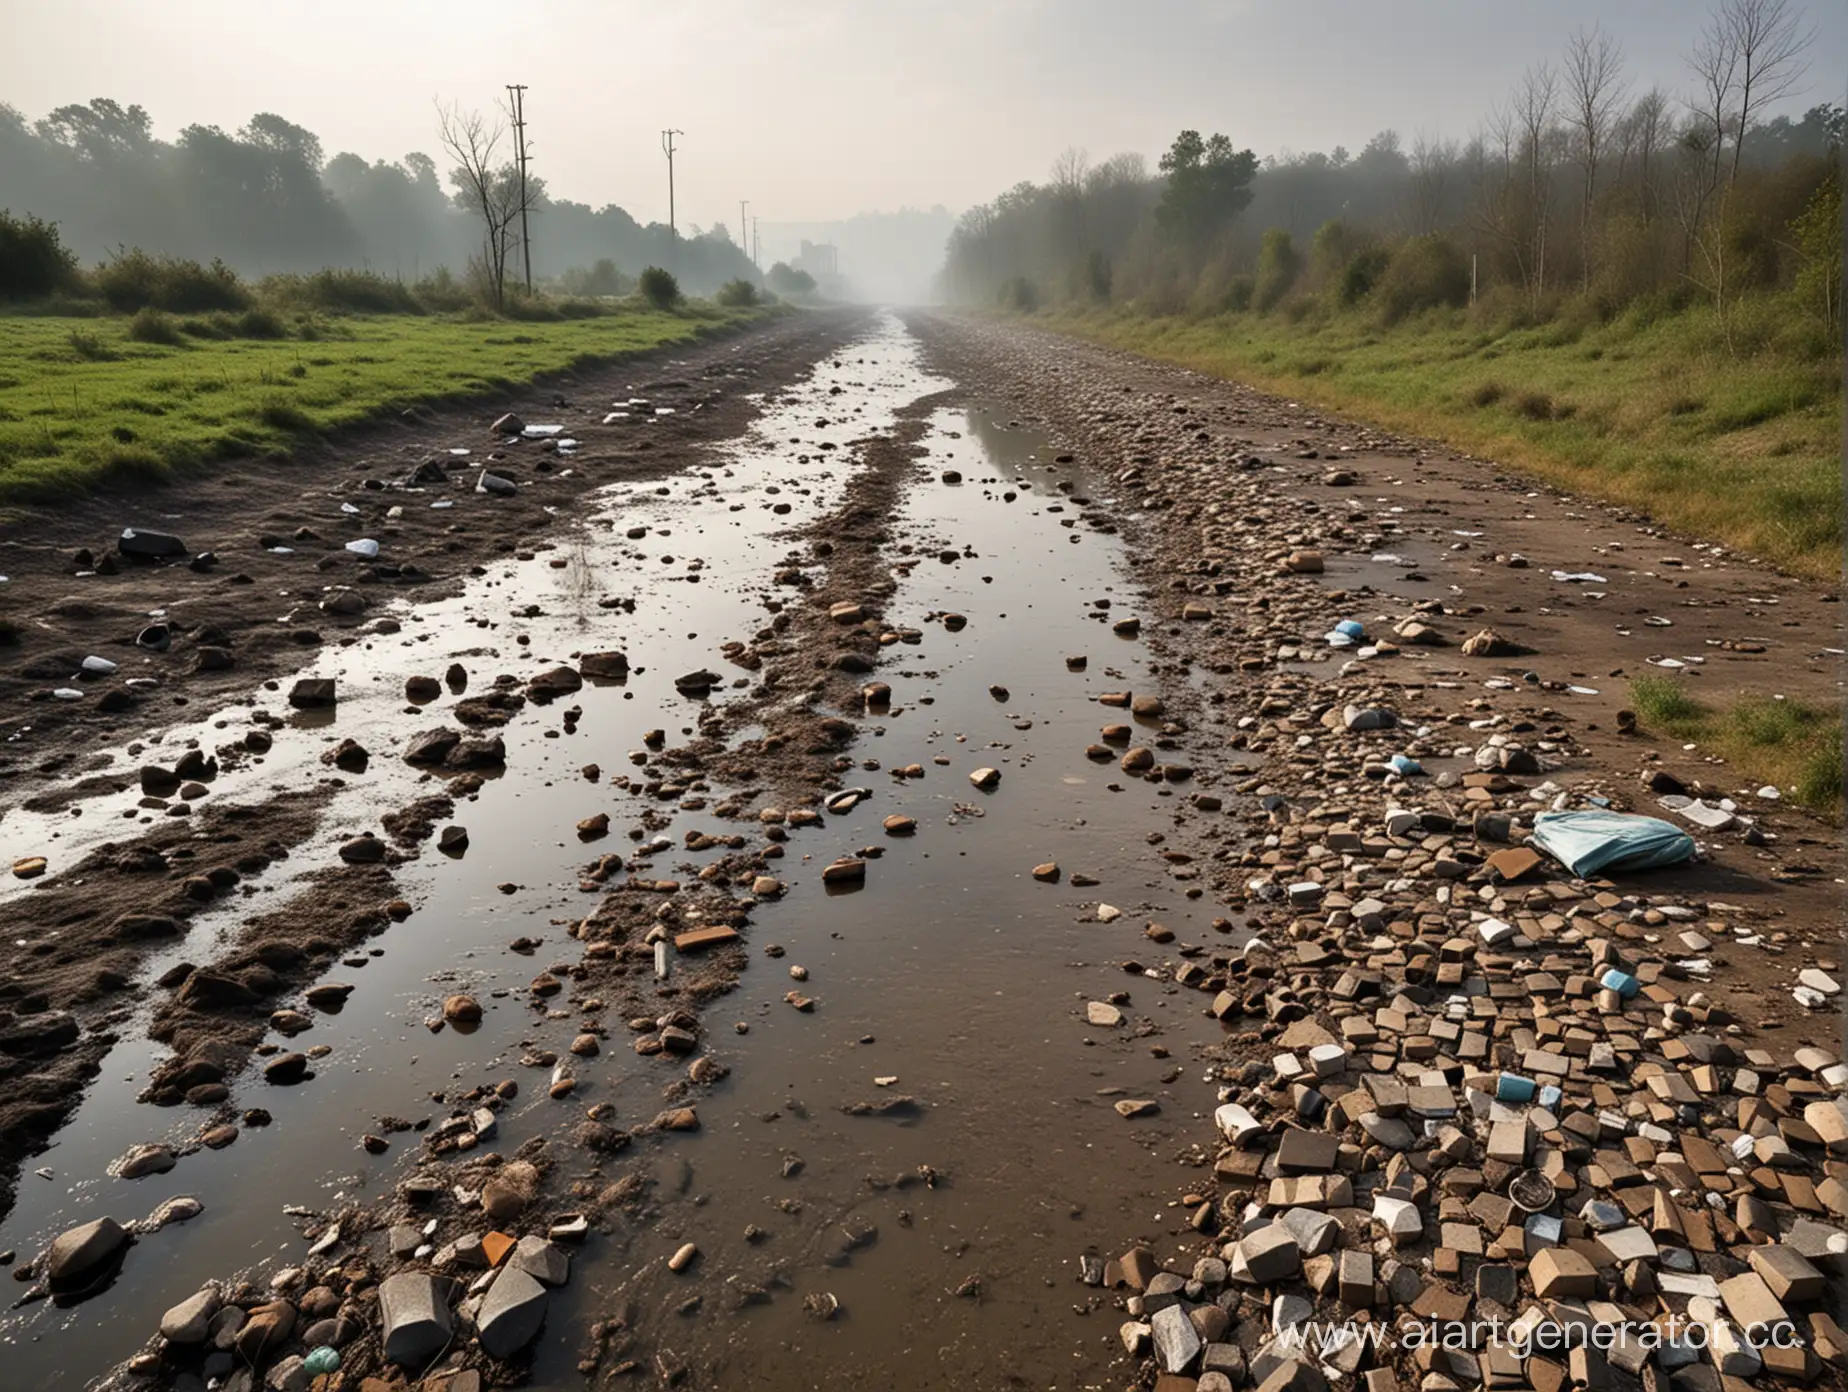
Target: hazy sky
<point>822,108</point>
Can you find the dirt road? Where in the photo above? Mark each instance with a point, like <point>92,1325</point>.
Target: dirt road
<point>969,721</point>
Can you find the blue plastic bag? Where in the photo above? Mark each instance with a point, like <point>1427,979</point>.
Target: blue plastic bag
<point>1587,842</point>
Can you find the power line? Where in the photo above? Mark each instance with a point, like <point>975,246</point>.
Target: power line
<point>517,96</point>
<point>667,144</point>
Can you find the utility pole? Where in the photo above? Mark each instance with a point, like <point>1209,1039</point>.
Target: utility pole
<point>744,227</point>
<point>516,94</point>
<point>754,261</point>
<point>673,235</point>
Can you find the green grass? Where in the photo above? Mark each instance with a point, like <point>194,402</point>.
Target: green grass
<point>84,403</point>
<point>1796,746</point>
<point>1730,432</point>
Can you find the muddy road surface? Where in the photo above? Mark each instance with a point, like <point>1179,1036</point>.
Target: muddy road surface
<point>785,892</point>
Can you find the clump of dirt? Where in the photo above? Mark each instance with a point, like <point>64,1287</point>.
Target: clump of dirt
<point>815,668</point>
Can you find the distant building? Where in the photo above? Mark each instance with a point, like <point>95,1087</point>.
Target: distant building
<point>822,261</point>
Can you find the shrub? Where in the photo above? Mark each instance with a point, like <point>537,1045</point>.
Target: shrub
<point>737,294</point>
<point>261,323</point>
<point>1427,272</point>
<point>1535,406</point>
<point>151,325</point>
<point>1278,265</point>
<point>441,292</point>
<point>1094,277</point>
<point>787,280</point>
<point>1017,293</point>
<point>659,288</point>
<point>208,326</point>
<point>1486,395</point>
<point>90,347</point>
<point>341,292</point>
<point>34,262</point>
<point>601,279</point>
<point>1360,275</point>
<point>132,280</point>
<point>531,309</point>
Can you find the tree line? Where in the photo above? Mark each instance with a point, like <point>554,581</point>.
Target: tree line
<point>265,198</point>
<point>1576,187</point>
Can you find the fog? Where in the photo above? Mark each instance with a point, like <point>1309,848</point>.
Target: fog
<point>294,135</point>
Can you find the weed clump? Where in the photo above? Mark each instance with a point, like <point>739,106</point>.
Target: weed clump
<point>151,325</point>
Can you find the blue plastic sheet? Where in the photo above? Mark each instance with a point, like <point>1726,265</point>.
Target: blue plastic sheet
<point>1587,842</point>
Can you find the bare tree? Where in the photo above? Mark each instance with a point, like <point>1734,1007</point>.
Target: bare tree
<point>1432,162</point>
<point>1067,184</point>
<point>1770,44</point>
<point>1648,132</point>
<point>1714,61</point>
<point>486,185</point>
<point>1594,92</point>
<point>1534,106</point>
<point>1492,169</point>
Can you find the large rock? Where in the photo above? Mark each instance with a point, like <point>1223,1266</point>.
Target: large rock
<point>79,1254</point>
<point>1270,1254</point>
<point>144,1160</point>
<point>149,546</point>
<point>191,1320</point>
<point>211,990</point>
<point>431,747</point>
<point>286,1069</point>
<point>559,681</point>
<point>45,1032</point>
<point>414,1306</point>
<point>311,692</point>
<point>604,666</point>
<point>512,1313</point>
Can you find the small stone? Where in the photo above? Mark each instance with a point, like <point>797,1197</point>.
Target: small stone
<point>462,1009</point>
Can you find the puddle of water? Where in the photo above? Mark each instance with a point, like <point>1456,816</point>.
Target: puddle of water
<point>953,970</point>
<point>961,976</point>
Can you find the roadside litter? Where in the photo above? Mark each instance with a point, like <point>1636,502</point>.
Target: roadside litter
<point>1588,842</point>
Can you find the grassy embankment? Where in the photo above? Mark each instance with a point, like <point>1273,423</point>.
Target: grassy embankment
<point>85,402</point>
<point>1731,433</point>
<point>1796,746</point>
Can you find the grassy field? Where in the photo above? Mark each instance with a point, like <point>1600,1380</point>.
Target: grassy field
<point>1795,746</point>
<point>1729,432</point>
<point>83,403</point>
